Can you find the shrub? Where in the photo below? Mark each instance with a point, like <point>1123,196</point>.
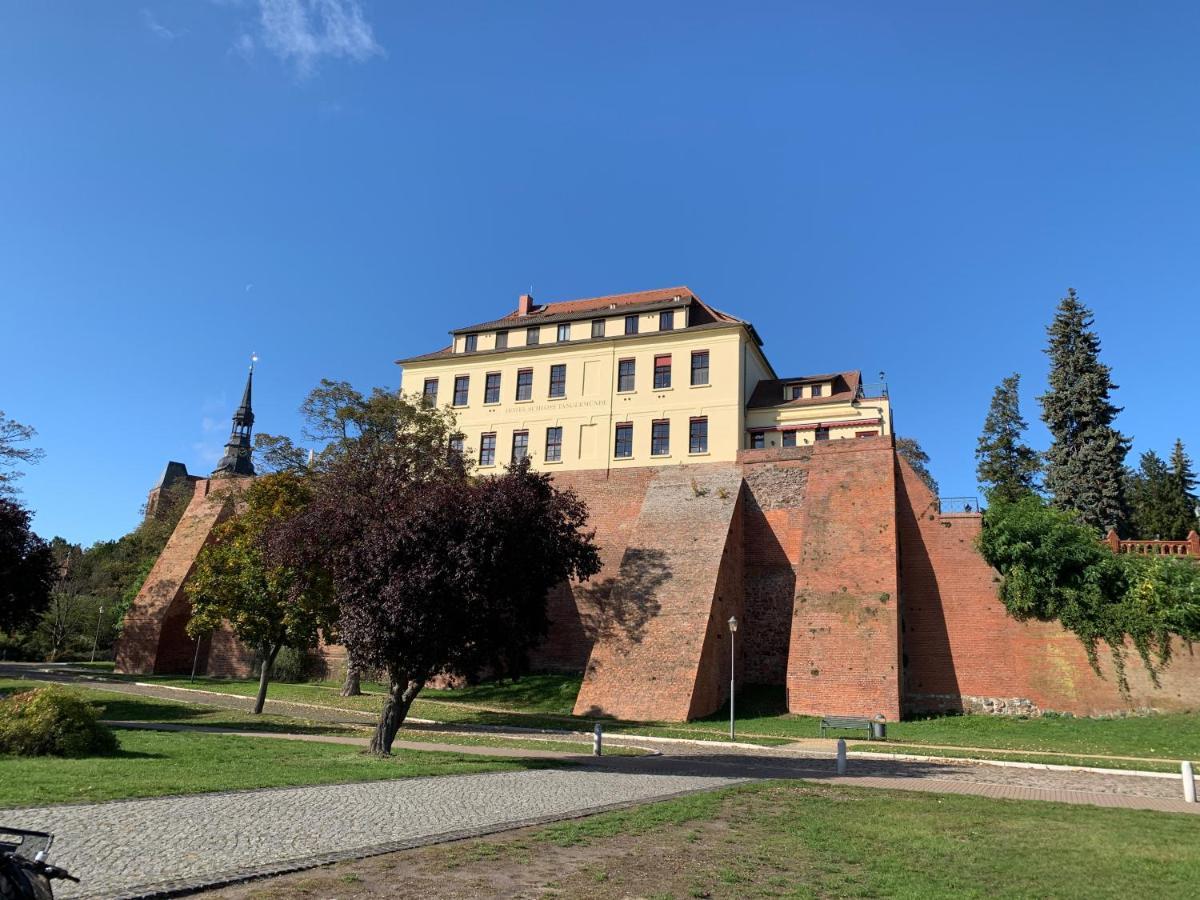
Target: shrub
<point>1055,568</point>
<point>293,666</point>
<point>52,721</point>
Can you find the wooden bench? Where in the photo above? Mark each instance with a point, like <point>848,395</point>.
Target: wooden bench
<point>845,723</point>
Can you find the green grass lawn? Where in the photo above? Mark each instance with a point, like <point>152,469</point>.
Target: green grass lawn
<point>544,701</point>
<point>821,841</point>
<point>795,839</point>
<point>152,763</point>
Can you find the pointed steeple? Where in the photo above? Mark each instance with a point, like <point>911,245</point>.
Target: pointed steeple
<point>236,460</point>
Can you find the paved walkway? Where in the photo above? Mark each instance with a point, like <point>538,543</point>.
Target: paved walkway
<point>138,847</point>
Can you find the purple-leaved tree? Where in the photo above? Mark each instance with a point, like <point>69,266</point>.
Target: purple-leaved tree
<point>432,570</point>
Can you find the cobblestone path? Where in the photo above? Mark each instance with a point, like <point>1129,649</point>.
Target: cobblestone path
<point>136,847</point>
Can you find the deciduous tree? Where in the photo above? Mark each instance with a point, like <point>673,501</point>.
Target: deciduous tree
<point>911,451</point>
<point>1005,464</point>
<point>1085,464</point>
<point>27,570</point>
<point>432,570</point>
<point>13,435</point>
<point>268,604</point>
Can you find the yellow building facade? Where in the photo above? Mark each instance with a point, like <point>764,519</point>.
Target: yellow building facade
<point>646,379</point>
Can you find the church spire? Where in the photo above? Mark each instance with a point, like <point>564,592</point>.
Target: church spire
<point>236,460</point>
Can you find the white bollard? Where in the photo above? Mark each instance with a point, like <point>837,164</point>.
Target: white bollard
<point>597,741</point>
<point>841,757</point>
<point>1189,783</point>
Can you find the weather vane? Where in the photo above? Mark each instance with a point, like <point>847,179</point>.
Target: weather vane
<point>253,360</point>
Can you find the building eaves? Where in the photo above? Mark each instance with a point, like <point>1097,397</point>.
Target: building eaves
<point>448,352</point>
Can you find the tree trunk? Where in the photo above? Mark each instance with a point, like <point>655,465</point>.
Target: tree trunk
<point>351,686</point>
<point>401,693</point>
<point>264,677</point>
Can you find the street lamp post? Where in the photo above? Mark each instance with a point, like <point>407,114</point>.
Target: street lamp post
<point>96,640</point>
<point>733,623</point>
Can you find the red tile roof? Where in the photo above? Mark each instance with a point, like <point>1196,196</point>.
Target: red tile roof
<point>770,391</point>
<point>564,310</point>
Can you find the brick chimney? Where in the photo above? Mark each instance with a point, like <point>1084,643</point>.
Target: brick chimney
<point>524,304</point>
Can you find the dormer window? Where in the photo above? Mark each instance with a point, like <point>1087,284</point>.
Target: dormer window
<point>564,332</point>
<point>666,320</point>
<point>598,328</point>
<point>818,390</point>
<point>631,324</point>
<point>471,343</point>
<point>797,392</point>
<point>501,340</point>
<point>533,336</point>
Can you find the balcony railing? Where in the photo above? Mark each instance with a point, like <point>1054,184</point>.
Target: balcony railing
<point>1189,547</point>
<point>958,506</point>
<point>873,391</point>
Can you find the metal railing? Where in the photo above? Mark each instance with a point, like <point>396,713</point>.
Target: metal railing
<point>950,506</point>
<point>875,390</point>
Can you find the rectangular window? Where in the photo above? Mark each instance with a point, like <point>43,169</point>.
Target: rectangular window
<point>501,340</point>
<point>797,391</point>
<point>456,444</point>
<point>666,320</point>
<point>487,450</point>
<point>430,391</point>
<point>789,439</point>
<point>660,438</point>
<point>533,336</point>
<point>818,390</point>
<point>491,387</point>
<point>461,384</point>
<point>698,436</point>
<point>662,371</point>
<point>520,445</point>
<point>471,342</point>
<point>525,384</point>
<point>822,434</point>
<point>631,324</point>
<point>625,374</point>
<point>870,433</point>
<point>553,444</point>
<point>624,445</point>
<point>564,332</point>
<point>598,328</point>
<point>699,367</point>
<point>758,440</point>
<point>558,380</point>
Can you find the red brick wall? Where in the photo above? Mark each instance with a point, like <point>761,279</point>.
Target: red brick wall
<point>657,661</point>
<point>153,638</point>
<point>774,502</point>
<point>963,651</point>
<point>843,650</point>
<point>580,614</point>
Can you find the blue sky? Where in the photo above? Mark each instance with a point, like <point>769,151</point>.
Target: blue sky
<point>899,187</point>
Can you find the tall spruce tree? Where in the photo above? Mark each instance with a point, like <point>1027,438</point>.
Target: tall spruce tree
<point>1182,515</point>
<point>1005,464</point>
<point>1085,465</point>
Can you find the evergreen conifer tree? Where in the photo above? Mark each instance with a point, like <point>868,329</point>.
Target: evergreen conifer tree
<point>1148,490</point>
<point>1005,465</point>
<point>1182,516</point>
<point>1085,465</point>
